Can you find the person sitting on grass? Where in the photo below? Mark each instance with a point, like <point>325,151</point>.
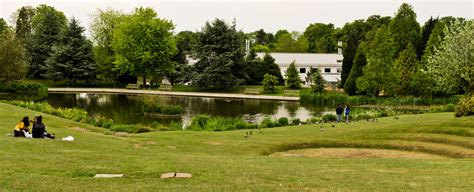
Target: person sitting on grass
<point>39,129</point>
<point>21,130</point>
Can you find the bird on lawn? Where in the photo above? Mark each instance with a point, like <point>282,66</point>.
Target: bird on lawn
<point>321,128</point>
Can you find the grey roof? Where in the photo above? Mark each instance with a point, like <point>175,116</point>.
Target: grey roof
<point>306,59</point>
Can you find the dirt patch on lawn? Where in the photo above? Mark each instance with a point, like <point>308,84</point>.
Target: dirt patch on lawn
<point>356,153</point>
<point>143,144</point>
<point>79,129</point>
<point>211,143</point>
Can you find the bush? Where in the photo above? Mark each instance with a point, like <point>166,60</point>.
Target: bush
<point>329,118</point>
<point>295,121</point>
<point>130,128</point>
<point>269,82</point>
<point>314,120</point>
<point>465,107</point>
<point>283,121</point>
<point>23,87</point>
<point>267,122</point>
<point>176,126</point>
<point>204,122</point>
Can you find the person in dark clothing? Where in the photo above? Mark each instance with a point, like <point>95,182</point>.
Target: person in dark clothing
<point>39,129</point>
<point>339,111</point>
<point>22,128</point>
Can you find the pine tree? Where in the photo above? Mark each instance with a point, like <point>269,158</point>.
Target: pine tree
<point>318,82</point>
<point>359,62</point>
<point>269,82</point>
<point>425,35</point>
<point>272,68</point>
<point>47,26</point>
<point>72,58</point>
<point>293,80</point>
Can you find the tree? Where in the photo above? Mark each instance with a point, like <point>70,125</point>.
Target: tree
<point>425,35</point>
<point>220,54</point>
<point>254,68</point>
<point>379,75</point>
<point>291,43</point>
<point>353,34</point>
<point>182,72</point>
<point>408,66</point>
<point>23,23</point>
<point>144,44</point>
<point>318,83</point>
<point>12,57</point>
<point>321,38</point>
<point>453,62</point>
<point>293,80</point>
<point>272,68</point>
<point>404,28</point>
<point>3,26</point>
<point>47,26</point>
<point>269,82</point>
<point>104,23</point>
<point>436,36</point>
<point>360,61</point>
<point>72,58</point>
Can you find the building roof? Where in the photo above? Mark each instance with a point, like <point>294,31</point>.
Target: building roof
<point>306,59</point>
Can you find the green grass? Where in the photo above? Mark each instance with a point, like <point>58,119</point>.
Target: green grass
<point>227,161</point>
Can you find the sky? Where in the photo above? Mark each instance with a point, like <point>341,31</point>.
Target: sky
<point>252,15</point>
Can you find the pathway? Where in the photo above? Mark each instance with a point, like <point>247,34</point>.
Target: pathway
<point>154,92</point>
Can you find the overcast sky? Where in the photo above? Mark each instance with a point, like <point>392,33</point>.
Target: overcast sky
<point>271,15</point>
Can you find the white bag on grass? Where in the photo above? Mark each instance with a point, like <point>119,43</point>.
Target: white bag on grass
<point>68,138</point>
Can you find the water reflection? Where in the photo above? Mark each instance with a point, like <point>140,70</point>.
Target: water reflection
<point>127,108</point>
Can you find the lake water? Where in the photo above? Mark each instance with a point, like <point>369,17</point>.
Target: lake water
<point>126,109</point>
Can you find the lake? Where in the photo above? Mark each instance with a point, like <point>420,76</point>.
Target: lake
<point>126,109</point>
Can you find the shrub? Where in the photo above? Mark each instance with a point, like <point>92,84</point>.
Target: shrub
<point>465,107</point>
<point>23,87</point>
<point>269,82</point>
<point>176,126</point>
<point>283,121</point>
<point>314,120</point>
<point>329,117</point>
<point>295,121</point>
<point>130,128</point>
<point>72,114</point>
<point>267,122</point>
<point>204,122</point>
<point>162,109</point>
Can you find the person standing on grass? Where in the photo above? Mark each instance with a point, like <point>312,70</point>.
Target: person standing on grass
<point>339,111</point>
<point>21,130</point>
<point>347,111</point>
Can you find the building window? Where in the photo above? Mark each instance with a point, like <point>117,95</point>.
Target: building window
<point>327,70</point>
<point>302,70</point>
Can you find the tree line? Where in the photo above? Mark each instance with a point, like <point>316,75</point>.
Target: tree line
<point>382,55</point>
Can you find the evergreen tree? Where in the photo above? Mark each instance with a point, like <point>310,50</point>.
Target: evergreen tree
<point>23,23</point>
<point>47,26</point>
<point>269,82</point>
<point>359,62</point>
<point>221,56</point>
<point>380,75</point>
<point>272,68</point>
<point>293,80</point>
<point>318,82</point>
<point>254,69</point>
<point>425,35</point>
<point>12,57</point>
<point>407,64</point>
<point>72,57</point>
<point>404,28</point>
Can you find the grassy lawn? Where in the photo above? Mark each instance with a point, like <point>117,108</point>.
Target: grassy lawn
<point>227,161</point>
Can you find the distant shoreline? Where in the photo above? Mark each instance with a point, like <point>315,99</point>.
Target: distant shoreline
<point>171,93</point>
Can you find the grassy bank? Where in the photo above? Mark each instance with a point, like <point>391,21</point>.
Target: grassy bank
<point>229,161</point>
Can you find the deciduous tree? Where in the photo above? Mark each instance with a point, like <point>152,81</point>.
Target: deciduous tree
<point>12,57</point>
<point>404,28</point>
<point>143,44</point>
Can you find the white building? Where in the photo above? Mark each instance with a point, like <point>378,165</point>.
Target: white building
<point>329,64</point>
